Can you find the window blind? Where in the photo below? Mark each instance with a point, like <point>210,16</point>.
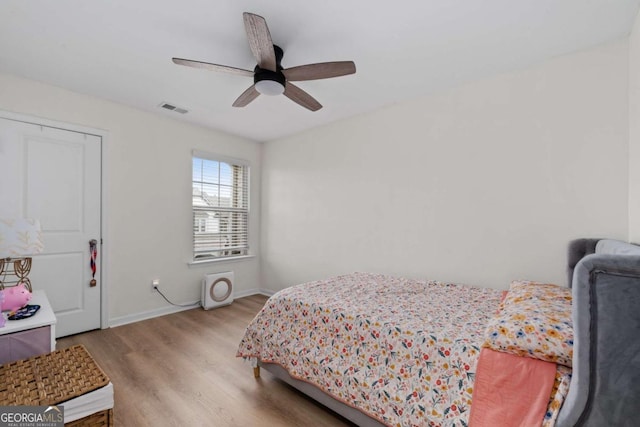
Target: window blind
<point>220,208</point>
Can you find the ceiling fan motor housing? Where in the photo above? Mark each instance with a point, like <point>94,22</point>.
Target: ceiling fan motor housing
<point>261,74</point>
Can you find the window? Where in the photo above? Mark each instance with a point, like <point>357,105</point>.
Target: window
<point>220,207</point>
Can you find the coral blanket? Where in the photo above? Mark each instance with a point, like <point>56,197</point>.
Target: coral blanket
<point>510,390</point>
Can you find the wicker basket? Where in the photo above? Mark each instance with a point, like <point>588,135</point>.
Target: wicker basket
<point>52,379</point>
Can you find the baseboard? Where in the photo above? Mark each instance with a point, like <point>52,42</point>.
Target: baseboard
<point>254,291</point>
<point>163,311</point>
<point>137,317</point>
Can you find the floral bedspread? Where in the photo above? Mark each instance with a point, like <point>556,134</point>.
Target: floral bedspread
<point>402,351</point>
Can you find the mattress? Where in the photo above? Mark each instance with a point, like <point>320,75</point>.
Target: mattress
<point>399,350</point>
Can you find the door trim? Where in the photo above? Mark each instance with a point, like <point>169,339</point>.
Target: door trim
<point>102,248</point>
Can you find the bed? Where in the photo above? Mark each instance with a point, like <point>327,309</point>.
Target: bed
<point>387,351</point>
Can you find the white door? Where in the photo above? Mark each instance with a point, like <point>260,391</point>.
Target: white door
<point>54,175</point>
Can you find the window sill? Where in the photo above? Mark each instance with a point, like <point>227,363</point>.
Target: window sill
<point>219,260</point>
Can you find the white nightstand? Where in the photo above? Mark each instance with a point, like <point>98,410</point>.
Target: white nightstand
<point>20,339</point>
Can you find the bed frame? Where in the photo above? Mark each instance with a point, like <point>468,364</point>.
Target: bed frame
<point>605,387</point>
<point>352,414</point>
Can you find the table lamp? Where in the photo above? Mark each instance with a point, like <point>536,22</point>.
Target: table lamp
<point>19,239</point>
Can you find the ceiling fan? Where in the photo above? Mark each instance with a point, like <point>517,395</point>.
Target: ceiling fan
<point>269,78</point>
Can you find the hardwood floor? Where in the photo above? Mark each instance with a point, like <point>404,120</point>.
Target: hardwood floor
<point>181,370</point>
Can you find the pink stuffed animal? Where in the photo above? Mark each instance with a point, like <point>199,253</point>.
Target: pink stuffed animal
<point>14,297</point>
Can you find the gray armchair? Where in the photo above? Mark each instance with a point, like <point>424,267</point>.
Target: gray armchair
<point>605,385</point>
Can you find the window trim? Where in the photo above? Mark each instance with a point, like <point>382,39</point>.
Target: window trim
<point>233,162</point>
<point>216,158</point>
<point>207,261</point>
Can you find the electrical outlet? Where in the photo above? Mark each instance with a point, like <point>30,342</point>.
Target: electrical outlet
<point>154,285</point>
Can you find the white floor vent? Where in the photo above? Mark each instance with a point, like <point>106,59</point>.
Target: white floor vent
<point>217,290</point>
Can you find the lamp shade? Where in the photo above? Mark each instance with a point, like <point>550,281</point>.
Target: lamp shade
<point>20,237</point>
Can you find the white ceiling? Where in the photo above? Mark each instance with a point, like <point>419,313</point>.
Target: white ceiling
<point>121,50</point>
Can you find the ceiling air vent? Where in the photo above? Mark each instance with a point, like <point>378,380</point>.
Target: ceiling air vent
<point>171,107</point>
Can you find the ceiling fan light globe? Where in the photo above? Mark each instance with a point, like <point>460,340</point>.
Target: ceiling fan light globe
<point>270,87</point>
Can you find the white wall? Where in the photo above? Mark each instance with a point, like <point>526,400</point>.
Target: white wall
<point>634,133</point>
<point>148,171</point>
<point>482,184</point>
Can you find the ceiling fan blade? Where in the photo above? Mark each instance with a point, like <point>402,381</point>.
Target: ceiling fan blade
<point>246,97</point>
<point>260,40</point>
<point>323,70</point>
<point>212,67</point>
<point>301,97</point>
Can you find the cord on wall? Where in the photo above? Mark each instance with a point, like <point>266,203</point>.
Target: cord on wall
<point>193,304</point>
